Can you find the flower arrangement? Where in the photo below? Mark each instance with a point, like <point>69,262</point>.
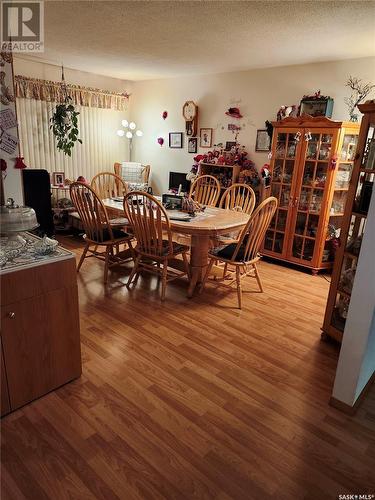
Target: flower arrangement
<point>237,156</point>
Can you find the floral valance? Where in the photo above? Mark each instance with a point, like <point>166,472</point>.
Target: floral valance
<point>45,90</point>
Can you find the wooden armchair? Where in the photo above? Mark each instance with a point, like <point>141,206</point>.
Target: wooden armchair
<point>244,255</point>
<point>134,175</point>
<point>152,231</point>
<point>98,230</point>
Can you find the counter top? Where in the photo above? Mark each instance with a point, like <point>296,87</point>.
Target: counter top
<point>29,258</point>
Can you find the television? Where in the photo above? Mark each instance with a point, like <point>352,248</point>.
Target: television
<point>177,178</point>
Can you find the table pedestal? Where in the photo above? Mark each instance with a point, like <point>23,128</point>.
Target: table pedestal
<point>198,260</point>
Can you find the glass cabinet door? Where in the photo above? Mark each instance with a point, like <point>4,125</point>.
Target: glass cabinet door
<point>309,200</point>
<point>284,168</point>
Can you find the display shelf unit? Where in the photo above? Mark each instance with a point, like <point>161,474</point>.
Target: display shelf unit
<point>230,173</point>
<point>353,227</point>
<point>311,164</point>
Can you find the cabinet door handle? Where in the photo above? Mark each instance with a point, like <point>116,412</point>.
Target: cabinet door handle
<point>11,315</point>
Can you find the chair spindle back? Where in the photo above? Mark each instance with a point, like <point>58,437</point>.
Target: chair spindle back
<point>108,185</point>
<point>253,233</point>
<point>238,197</point>
<point>92,212</point>
<point>150,223</point>
<point>205,190</point>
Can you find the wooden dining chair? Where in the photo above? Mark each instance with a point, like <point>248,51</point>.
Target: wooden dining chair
<point>98,230</point>
<point>108,185</point>
<point>154,248</point>
<point>205,190</point>
<point>244,255</point>
<point>135,175</point>
<point>238,197</point>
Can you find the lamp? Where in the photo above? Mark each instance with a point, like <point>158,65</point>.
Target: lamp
<point>129,134</point>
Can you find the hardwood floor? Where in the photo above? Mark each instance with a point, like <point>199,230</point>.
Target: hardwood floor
<point>194,399</point>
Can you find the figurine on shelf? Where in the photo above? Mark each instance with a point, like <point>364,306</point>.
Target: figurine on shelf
<point>354,245</point>
<point>343,306</point>
<point>193,174</point>
<point>347,279</point>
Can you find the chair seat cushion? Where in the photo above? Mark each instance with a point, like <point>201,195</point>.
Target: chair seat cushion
<point>120,221</point>
<point>176,248</point>
<point>117,235</point>
<point>227,251</point>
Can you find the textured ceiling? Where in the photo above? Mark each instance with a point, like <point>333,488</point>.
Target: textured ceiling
<point>138,40</point>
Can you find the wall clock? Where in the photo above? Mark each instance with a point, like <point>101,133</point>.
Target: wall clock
<point>190,113</point>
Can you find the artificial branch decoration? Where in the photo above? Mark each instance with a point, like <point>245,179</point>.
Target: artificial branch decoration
<point>64,122</point>
<point>359,92</point>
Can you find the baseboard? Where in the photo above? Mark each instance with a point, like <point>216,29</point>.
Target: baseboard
<point>350,410</point>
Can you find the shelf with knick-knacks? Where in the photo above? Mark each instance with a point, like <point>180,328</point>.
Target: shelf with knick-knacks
<point>359,192</point>
<point>311,164</point>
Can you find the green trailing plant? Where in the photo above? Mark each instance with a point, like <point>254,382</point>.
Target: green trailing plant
<point>64,125</point>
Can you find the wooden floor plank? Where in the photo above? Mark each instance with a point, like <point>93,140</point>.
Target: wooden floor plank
<point>194,399</point>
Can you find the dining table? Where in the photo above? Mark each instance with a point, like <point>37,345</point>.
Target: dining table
<point>203,228</point>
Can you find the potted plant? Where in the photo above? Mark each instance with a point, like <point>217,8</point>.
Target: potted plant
<point>64,125</point>
<point>64,122</point>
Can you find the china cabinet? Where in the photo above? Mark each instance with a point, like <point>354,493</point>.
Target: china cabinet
<point>311,164</point>
<point>353,227</point>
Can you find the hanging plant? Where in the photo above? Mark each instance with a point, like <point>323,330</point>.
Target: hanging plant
<point>64,125</point>
<point>64,122</point>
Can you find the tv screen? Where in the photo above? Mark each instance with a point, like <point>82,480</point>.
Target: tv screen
<point>177,178</point>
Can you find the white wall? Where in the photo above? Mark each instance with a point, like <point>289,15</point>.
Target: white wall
<point>357,355</point>
<point>258,94</point>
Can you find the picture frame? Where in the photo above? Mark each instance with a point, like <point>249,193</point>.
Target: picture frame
<point>229,145</point>
<point>175,140</point>
<point>263,141</point>
<point>205,137</point>
<point>58,178</point>
<point>192,144</point>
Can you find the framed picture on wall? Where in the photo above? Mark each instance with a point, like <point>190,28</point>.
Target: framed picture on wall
<point>192,145</point>
<point>229,145</point>
<point>205,136</point>
<point>175,140</point>
<point>263,142</point>
<point>58,178</point>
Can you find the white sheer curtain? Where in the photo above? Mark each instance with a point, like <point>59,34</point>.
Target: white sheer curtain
<point>100,149</point>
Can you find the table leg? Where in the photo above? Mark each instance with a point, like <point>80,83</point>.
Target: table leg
<point>198,260</point>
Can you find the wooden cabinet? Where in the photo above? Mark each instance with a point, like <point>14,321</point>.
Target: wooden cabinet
<point>5,404</point>
<point>40,339</point>
<point>353,227</point>
<point>312,160</point>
